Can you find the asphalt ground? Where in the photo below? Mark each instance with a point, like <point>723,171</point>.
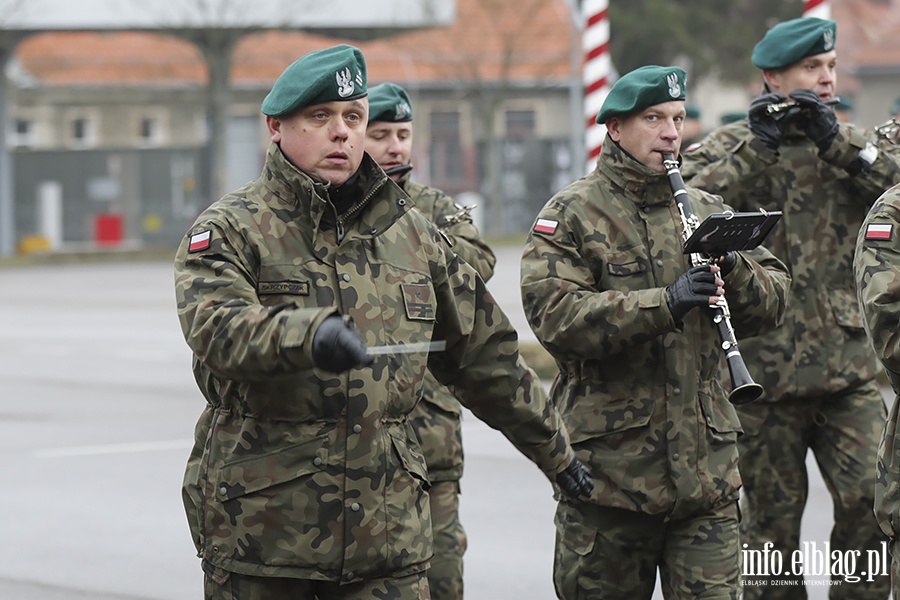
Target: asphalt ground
<point>97,407</point>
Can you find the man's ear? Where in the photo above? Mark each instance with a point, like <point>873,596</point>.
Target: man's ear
<point>773,79</point>
<point>274,125</point>
<point>612,127</point>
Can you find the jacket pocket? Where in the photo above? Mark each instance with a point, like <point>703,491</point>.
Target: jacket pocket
<point>621,269</point>
<point>407,506</point>
<point>722,420</point>
<point>244,476</point>
<point>409,455</point>
<point>717,457</point>
<point>267,508</point>
<point>577,536</point>
<point>590,415</point>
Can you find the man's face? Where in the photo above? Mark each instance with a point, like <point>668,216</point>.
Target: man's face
<point>816,73</point>
<point>390,144</point>
<point>325,141</point>
<point>647,134</point>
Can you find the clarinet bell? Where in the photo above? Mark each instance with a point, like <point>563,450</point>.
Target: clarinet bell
<point>746,394</point>
<point>744,389</point>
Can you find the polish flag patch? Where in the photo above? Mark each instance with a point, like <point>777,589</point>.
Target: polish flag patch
<point>545,226</point>
<point>879,231</point>
<point>200,241</point>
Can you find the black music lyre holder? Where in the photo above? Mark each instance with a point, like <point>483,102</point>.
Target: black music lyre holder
<point>723,232</point>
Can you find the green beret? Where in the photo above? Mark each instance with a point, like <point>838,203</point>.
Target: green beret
<point>731,117</point>
<point>389,102</point>
<point>793,40</point>
<point>336,73</point>
<point>691,112</point>
<point>641,88</point>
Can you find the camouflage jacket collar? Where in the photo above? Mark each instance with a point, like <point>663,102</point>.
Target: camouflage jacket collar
<point>645,185</point>
<point>381,201</point>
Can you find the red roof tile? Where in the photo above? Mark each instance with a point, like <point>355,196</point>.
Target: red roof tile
<point>490,40</point>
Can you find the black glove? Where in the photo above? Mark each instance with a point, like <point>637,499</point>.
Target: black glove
<point>692,288</point>
<point>767,127</point>
<point>818,119</point>
<point>575,480</point>
<point>338,346</point>
<point>726,262</point>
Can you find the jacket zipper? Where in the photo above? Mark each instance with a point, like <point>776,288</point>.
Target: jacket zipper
<point>339,221</point>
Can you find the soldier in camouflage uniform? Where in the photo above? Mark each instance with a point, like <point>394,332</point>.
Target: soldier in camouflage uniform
<point>817,369</point>
<point>877,269</point>
<point>307,479</point>
<point>436,419</point>
<point>609,293</point>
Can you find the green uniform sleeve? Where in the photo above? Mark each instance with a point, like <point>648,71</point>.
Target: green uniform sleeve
<point>877,271</point>
<point>224,323</point>
<point>876,267</point>
<point>490,378</point>
<point>564,305</point>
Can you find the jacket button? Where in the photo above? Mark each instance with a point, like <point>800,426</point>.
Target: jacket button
<point>346,276</point>
<point>676,391</point>
<point>354,507</point>
<point>659,262</point>
<point>357,428</point>
<point>317,461</point>
<point>223,490</point>
<point>676,456</point>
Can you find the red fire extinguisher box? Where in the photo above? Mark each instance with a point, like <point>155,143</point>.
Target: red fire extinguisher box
<point>108,229</point>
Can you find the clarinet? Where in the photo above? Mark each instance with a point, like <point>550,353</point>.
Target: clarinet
<point>743,389</point>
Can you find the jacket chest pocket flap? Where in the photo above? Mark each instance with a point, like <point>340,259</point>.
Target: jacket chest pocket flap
<point>623,264</point>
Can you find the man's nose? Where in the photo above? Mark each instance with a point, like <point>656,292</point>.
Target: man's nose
<point>670,131</point>
<point>339,130</point>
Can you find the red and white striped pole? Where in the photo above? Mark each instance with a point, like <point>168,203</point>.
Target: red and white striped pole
<point>820,9</point>
<point>596,72</point>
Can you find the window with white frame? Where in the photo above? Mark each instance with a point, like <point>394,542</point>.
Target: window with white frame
<point>82,131</point>
<point>23,133</point>
<point>150,130</point>
<point>520,124</point>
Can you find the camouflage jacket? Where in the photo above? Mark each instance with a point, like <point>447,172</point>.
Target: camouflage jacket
<point>640,395</point>
<point>821,347</point>
<point>436,418</point>
<point>877,269</point>
<point>297,472</point>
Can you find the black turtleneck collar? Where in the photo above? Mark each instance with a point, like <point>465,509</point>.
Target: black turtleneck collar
<point>346,194</point>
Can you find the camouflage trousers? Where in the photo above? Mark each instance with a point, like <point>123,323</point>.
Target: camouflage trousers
<point>224,585</point>
<point>445,577</point>
<point>607,553</point>
<point>843,432</point>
